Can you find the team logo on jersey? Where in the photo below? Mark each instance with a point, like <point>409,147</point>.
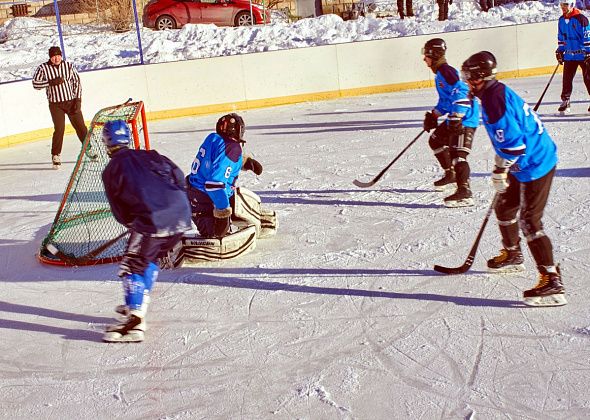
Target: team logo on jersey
<point>499,136</point>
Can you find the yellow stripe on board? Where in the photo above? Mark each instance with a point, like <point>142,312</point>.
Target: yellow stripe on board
<point>46,133</point>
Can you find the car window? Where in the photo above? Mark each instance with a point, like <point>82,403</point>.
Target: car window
<point>211,1</point>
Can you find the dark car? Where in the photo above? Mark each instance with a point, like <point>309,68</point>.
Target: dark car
<point>173,14</point>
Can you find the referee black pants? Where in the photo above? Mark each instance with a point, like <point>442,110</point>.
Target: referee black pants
<point>58,112</point>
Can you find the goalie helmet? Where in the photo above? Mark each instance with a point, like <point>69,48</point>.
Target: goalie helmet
<point>115,135</point>
<point>232,126</point>
<point>480,66</point>
<point>434,48</point>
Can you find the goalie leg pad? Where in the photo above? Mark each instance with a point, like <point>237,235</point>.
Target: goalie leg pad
<point>249,211</point>
<point>197,250</point>
<point>269,223</point>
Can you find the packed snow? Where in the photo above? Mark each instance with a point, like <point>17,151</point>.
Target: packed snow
<point>24,41</point>
<point>340,315</point>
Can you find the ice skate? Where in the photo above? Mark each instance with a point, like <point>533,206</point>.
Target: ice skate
<point>56,161</point>
<point>509,261</point>
<point>130,330</point>
<point>461,198</point>
<point>447,179</point>
<point>124,309</point>
<point>548,292</point>
<point>564,108</point>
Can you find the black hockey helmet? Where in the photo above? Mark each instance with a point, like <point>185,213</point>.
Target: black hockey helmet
<point>232,126</point>
<point>480,66</point>
<point>434,48</point>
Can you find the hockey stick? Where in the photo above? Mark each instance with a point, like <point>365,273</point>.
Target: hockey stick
<point>469,261</point>
<point>380,174</point>
<point>538,104</point>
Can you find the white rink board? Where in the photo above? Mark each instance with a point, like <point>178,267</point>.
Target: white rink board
<point>199,86</point>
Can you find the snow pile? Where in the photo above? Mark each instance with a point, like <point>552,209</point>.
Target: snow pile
<point>24,41</point>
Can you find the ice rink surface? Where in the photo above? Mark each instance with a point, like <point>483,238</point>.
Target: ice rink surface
<point>340,316</point>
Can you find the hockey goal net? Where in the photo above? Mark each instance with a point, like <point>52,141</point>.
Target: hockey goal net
<point>84,231</point>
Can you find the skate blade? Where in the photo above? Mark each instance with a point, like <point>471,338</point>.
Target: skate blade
<point>549,300</point>
<point>133,336</point>
<point>508,270</point>
<point>467,202</point>
<point>441,188</point>
<point>566,112</point>
<point>56,166</point>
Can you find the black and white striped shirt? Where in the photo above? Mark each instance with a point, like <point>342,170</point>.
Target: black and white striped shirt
<point>69,89</point>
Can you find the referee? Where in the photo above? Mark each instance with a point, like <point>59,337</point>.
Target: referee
<point>64,93</point>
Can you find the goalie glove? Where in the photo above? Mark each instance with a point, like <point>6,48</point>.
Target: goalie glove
<point>251,164</point>
<point>222,221</point>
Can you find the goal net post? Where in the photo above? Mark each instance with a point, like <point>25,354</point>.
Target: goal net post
<point>84,231</point>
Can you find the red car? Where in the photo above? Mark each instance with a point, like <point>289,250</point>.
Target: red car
<point>173,14</point>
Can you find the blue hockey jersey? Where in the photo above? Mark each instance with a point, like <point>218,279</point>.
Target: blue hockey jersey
<point>216,168</point>
<point>517,133</point>
<point>454,97</point>
<point>147,193</point>
<point>573,36</point>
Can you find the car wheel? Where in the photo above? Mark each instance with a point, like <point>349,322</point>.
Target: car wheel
<point>165,22</point>
<point>243,19</point>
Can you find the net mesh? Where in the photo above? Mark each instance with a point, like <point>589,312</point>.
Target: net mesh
<point>84,230</point>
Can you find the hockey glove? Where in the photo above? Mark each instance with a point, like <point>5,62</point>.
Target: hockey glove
<point>56,81</point>
<point>251,164</point>
<point>587,61</point>
<point>222,221</point>
<point>430,121</point>
<point>455,125</point>
<point>559,56</point>
<point>500,179</point>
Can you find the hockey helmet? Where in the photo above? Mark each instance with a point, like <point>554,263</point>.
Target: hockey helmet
<point>480,66</point>
<point>116,134</point>
<point>570,3</point>
<point>232,126</point>
<point>434,48</point>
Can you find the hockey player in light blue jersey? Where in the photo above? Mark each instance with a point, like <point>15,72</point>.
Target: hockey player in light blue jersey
<point>573,50</point>
<point>451,141</point>
<point>214,174</point>
<point>525,163</point>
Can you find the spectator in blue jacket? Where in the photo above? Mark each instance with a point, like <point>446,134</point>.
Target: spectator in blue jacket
<point>573,50</point>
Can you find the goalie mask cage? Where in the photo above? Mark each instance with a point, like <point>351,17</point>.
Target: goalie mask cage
<point>84,231</point>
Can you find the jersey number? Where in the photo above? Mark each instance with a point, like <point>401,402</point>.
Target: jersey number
<point>197,163</point>
<point>527,111</point>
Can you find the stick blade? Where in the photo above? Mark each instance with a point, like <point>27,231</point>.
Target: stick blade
<point>452,270</point>
<point>361,184</point>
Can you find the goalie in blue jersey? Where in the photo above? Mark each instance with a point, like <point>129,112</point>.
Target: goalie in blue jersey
<point>214,174</point>
<point>525,162</point>
<point>147,194</point>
